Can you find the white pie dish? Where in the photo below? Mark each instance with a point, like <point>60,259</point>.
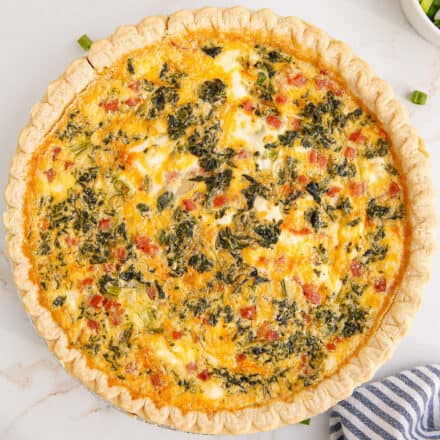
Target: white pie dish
<point>420,21</point>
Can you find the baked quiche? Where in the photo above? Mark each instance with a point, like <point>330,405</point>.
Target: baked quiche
<point>221,220</point>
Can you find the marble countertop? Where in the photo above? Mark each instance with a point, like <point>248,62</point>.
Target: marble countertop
<point>38,399</point>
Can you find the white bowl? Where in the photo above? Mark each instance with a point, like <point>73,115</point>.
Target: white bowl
<point>420,21</point>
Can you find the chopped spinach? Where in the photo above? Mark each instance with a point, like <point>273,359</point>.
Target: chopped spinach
<point>343,169</point>
<point>288,173</point>
<point>285,311</point>
<point>227,240</point>
<point>160,291</point>
<point>200,262</point>
<point>288,137</point>
<point>89,175</point>
<point>379,150</point>
<point>160,97</point>
<point>131,274</point>
<point>143,208</point>
<point>212,51</point>
<point>130,66</point>
<point>176,240</point>
<point>217,182</point>
<point>59,301</point>
<point>268,233</point>
<point>276,56</point>
<point>313,216</point>
<point>375,253</point>
<point>313,189</point>
<point>354,319</point>
<point>344,205</point>
<point>178,123</point>
<point>212,91</point>
<point>253,190</point>
<point>376,211</point>
<point>165,200</point>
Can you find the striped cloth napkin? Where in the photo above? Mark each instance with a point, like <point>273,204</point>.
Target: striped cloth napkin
<point>402,407</point>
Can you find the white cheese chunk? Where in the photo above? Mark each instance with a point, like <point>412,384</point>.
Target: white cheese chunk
<point>155,158</point>
<point>228,60</point>
<point>238,89</point>
<point>165,354</point>
<point>141,147</point>
<point>212,391</point>
<point>250,131</point>
<point>271,212</point>
<point>264,163</point>
<point>225,220</point>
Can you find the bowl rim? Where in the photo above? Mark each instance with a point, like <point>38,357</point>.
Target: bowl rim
<point>426,19</point>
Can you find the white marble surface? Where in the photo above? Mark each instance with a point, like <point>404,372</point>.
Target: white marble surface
<point>37,40</point>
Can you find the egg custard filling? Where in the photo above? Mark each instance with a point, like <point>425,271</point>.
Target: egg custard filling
<point>216,223</point>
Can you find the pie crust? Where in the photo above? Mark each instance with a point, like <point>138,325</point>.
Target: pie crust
<point>376,95</point>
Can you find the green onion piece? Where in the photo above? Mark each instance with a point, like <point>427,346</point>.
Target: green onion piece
<point>120,186</point>
<point>85,42</point>
<point>273,154</point>
<point>113,290</point>
<point>419,97</point>
<point>283,286</point>
<point>261,78</point>
<point>306,422</point>
<point>79,148</point>
<point>425,4</point>
<point>435,7</point>
<point>432,11</point>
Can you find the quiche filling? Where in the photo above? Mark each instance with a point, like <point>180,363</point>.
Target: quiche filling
<point>216,223</point>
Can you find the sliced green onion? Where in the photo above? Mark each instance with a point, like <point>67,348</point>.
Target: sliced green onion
<point>85,42</point>
<point>430,7</point>
<point>435,7</point>
<point>261,78</point>
<point>305,422</point>
<point>419,97</point>
<point>426,4</point>
<point>283,286</point>
<point>120,186</point>
<point>79,148</point>
<point>432,11</point>
<point>113,290</point>
<point>437,17</point>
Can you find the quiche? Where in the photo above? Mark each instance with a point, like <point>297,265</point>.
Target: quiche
<point>220,221</point>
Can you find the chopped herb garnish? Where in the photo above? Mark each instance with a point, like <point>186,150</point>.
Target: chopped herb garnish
<point>85,42</point>
<point>418,97</point>
<point>261,78</point>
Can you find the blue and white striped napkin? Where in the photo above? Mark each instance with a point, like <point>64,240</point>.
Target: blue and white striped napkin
<point>402,407</point>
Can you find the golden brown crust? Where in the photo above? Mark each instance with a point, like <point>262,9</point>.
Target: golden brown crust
<point>362,81</point>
